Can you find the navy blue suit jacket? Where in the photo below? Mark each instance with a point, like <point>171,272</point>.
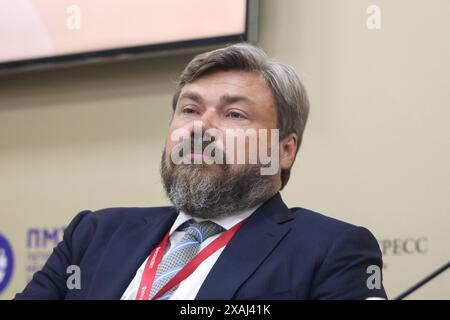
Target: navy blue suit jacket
<point>278,253</point>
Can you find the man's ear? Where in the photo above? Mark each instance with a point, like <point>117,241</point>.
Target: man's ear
<point>288,148</point>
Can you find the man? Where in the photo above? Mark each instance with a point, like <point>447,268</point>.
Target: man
<point>229,234</point>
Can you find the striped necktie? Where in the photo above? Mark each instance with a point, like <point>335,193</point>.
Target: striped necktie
<point>183,252</point>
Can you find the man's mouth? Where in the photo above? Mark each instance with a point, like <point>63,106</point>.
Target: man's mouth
<point>197,158</point>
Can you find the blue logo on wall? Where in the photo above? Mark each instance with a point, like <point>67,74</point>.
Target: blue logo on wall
<point>6,263</point>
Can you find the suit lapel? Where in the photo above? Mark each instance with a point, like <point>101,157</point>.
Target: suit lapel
<point>126,251</point>
<point>253,242</point>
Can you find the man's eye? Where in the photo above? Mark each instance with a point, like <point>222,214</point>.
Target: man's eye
<point>188,110</point>
<point>235,115</point>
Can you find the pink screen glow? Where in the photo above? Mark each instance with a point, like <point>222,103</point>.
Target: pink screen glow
<point>44,28</point>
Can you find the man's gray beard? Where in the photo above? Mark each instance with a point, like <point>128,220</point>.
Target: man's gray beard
<point>208,195</point>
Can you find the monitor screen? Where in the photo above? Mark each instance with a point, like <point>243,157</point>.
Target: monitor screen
<point>42,31</point>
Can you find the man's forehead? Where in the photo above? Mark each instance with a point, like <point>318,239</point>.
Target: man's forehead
<point>231,83</point>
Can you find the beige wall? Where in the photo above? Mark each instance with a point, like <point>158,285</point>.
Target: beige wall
<point>376,150</point>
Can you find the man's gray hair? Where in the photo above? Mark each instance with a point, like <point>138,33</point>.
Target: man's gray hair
<point>289,94</point>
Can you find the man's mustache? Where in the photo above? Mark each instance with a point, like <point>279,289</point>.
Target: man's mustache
<point>199,146</point>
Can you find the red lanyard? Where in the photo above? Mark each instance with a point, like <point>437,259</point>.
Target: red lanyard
<point>156,255</point>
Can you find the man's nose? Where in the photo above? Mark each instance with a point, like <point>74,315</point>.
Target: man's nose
<point>208,120</point>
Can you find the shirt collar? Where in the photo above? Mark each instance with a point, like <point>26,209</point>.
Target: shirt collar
<point>225,222</point>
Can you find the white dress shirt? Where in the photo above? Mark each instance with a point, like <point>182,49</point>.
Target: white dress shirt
<point>189,287</point>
